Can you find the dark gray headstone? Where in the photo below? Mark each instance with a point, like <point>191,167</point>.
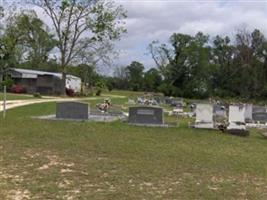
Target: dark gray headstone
<point>146,115</point>
<point>259,109</point>
<point>72,110</point>
<point>259,117</point>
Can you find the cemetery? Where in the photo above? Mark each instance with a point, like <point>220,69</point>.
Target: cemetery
<point>129,100</point>
<point>69,138</point>
<point>79,111</point>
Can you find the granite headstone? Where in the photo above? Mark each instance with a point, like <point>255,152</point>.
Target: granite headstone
<point>146,115</point>
<point>72,110</point>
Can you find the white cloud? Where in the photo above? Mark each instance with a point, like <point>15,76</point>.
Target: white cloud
<point>150,20</point>
<point>157,19</point>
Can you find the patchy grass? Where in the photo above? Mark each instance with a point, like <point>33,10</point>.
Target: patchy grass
<point>125,93</point>
<point>11,96</point>
<point>89,160</point>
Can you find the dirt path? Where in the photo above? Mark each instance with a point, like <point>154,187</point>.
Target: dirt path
<point>17,103</point>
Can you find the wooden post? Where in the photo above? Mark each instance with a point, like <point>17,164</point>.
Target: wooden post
<point>4,103</point>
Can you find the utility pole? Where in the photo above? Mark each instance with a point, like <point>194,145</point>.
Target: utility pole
<point>4,103</point>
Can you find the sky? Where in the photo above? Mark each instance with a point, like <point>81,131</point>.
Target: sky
<point>150,20</point>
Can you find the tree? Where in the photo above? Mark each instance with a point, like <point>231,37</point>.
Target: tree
<point>32,40</point>
<point>186,64</point>
<point>121,78</point>
<point>81,24</point>
<point>222,54</point>
<point>152,80</point>
<point>135,75</point>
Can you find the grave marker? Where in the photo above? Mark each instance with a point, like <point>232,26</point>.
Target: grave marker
<point>72,110</point>
<point>146,115</point>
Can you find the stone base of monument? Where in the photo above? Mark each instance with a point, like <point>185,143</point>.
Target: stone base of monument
<point>95,118</point>
<point>256,125</point>
<point>204,125</point>
<point>152,125</point>
<point>238,130</point>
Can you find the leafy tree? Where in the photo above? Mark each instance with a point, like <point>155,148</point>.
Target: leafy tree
<point>120,79</point>
<point>188,60</point>
<point>135,75</point>
<point>152,80</point>
<point>31,38</point>
<point>79,25</point>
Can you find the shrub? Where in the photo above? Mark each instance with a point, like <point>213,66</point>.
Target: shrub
<point>8,83</point>
<point>70,92</point>
<point>17,89</point>
<point>98,92</point>
<point>37,95</point>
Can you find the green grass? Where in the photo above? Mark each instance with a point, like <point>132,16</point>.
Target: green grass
<point>125,93</point>
<point>87,160</point>
<point>11,96</point>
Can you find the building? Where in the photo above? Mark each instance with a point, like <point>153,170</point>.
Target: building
<point>43,82</point>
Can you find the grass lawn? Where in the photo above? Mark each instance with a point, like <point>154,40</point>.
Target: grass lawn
<point>89,160</point>
<point>11,96</point>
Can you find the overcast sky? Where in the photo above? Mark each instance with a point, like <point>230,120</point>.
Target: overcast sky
<point>150,20</point>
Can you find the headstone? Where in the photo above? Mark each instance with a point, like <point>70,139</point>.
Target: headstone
<point>259,109</point>
<point>131,101</point>
<point>204,116</point>
<point>158,99</point>
<point>178,109</point>
<point>259,117</point>
<point>146,115</point>
<point>237,124</point>
<point>72,110</point>
<point>237,114</point>
<point>168,100</point>
<point>248,113</point>
<point>219,110</point>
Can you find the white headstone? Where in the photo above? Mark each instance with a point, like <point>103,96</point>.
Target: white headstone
<point>248,112</point>
<point>204,113</point>
<point>237,114</point>
<point>237,117</point>
<point>204,116</point>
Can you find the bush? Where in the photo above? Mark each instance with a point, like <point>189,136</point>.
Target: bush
<point>70,92</point>
<point>98,92</point>
<point>8,83</point>
<point>37,95</point>
<point>17,89</point>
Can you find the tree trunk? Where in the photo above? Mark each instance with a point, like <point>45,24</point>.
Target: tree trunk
<point>63,83</point>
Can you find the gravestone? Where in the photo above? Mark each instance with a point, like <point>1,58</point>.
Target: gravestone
<point>248,113</point>
<point>259,117</point>
<point>219,110</point>
<point>259,109</point>
<point>168,100</point>
<point>259,114</point>
<point>204,116</point>
<point>146,115</point>
<point>237,124</point>
<point>72,110</point>
<point>131,101</point>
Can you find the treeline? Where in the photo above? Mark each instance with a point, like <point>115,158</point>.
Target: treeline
<point>200,67</point>
<point>188,66</point>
